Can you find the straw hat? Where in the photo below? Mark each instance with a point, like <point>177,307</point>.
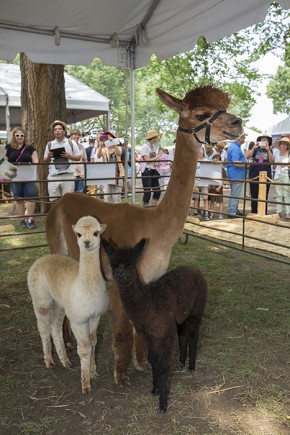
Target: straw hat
<point>57,122</point>
<point>284,139</point>
<point>151,134</point>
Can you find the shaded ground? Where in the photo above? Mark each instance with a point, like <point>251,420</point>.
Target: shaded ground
<point>241,384</point>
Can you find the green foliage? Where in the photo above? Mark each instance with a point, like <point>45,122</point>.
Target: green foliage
<point>109,81</point>
<point>227,63</point>
<point>279,87</point>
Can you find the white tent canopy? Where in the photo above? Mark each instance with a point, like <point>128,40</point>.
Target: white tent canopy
<point>75,32</point>
<point>82,102</point>
<point>282,128</point>
<point>251,134</point>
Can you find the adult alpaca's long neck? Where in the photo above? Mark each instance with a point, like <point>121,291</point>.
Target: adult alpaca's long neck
<point>89,269</point>
<point>176,201</point>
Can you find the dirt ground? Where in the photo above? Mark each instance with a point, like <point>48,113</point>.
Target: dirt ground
<point>241,383</point>
<point>35,400</point>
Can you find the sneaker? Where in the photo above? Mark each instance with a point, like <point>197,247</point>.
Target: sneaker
<point>23,225</point>
<point>287,216</point>
<point>30,224</point>
<point>206,217</point>
<point>221,216</point>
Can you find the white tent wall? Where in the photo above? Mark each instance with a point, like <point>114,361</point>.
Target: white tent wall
<point>251,134</point>
<point>280,129</point>
<point>82,102</point>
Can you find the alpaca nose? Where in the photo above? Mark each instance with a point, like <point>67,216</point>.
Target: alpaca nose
<point>87,243</point>
<point>236,121</point>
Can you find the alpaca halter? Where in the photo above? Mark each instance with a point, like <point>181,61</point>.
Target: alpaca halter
<point>207,125</point>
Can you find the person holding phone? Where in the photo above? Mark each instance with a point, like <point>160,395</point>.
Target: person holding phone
<point>60,152</point>
<point>260,153</point>
<point>109,149</point>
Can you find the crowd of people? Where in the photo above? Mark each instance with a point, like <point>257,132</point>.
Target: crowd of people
<point>246,162</point>
<point>67,154</point>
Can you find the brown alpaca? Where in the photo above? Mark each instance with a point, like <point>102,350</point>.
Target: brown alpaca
<point>173,303</point>
<point>202,117</point>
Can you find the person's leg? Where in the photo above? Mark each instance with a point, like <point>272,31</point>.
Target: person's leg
<point>286,194</point>
<point>279,195</point>
<point>107,193</point>
<point>211,206</point>
<point>155,188</point>
<point>254,191</point>
<point>116,194</point>
<point>79,184</point>
<point>166,179</point>
<point>236,189</point>
<point>221,207</point>
<point>17,190</point>
<point>53,187</point>
<point>30,191</point>
<point>195,197</point>
<point>205,204</point>
<point>287,200</point>
<point>67,184</point>
<point>267,194</point>
<point>146,183</point>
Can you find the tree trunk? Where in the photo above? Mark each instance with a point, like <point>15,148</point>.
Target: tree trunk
<point>42,102</point>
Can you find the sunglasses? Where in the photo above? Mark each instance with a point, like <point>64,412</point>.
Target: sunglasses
<point>19,135</point>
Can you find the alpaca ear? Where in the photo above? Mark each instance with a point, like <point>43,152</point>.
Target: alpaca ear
<point>73,227</point>
<point>139,247</point>
<point>170,101</point>
<point>103,227</point>
<point>108,247</point>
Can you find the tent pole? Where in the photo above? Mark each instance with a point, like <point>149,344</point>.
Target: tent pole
<point>133,166</point>
<point>7,113</point>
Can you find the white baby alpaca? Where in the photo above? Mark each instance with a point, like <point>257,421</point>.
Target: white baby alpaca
<point>60,285</point>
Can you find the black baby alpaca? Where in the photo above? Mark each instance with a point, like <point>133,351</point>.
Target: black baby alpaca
<point>176,299</point>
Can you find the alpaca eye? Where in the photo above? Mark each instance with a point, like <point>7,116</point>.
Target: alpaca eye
<point>202,117</point>
<point>96,233</point>
<point>78,235</point>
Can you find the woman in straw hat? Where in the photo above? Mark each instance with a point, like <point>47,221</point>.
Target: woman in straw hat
<point>150,175</point>
<point>282,176</point>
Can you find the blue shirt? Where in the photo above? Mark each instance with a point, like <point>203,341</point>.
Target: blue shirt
<point>235,154</point>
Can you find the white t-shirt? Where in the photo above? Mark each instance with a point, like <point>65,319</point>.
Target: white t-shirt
<point>68,149</point>
<point>281,170</point>
<point>206,157</point>
<point>95,157</point>
<point>148,150</point>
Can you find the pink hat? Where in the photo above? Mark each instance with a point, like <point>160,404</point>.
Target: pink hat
<point>111,133</point>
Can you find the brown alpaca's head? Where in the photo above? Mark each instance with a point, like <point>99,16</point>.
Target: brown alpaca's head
<point>198,108</point>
